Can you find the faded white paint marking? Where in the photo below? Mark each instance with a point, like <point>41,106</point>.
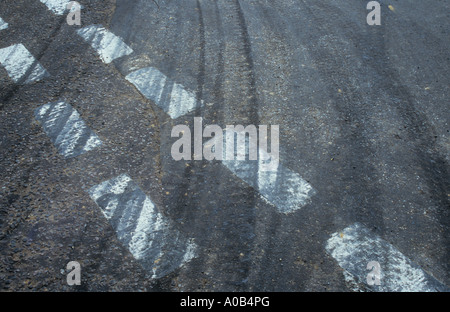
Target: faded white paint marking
<point>191,251</point>
<point>356,246</point>
<point>58,7</point>
<point>66,129</point>
<point>107,45</point>
<point>3,24</point>
<point>21,64</point>
<point>181,101</point>
<point>283,188</point>
<point>171,97</point>
<point>148,234</point>
<point>280,186</point>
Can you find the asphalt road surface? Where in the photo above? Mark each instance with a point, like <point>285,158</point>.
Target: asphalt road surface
<point>359,200</point>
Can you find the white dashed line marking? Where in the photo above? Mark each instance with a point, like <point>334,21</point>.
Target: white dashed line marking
<point>355,247</point>
<point>21,64</point>
<point>66,129</point>
<point>56,6</point>
<point>147,233</point>
<point>107,45</point>
<point>283,188</point>
<point>3,24</point>
<point>278,185</point>
<point>171,97</point>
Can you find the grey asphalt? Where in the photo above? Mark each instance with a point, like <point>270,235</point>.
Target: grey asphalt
<point>363,116</point>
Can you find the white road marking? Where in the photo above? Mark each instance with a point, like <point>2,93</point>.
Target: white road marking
<point>147,233</point>
<point>107,45</point>
<point>66,129</point>
<point>171,97</point>
<point>356,246</point>
<point>56,6</point>
<point>3,24</point>
<point>281,187</point>
<point>20,64</point>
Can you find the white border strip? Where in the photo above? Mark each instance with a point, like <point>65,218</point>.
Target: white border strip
<point>107,45</point>
<point>56,6</point>
<point>355,247</point>
<point>68,132</point>
<point>18,62</point>
<point>171,97</point>
<point>146,232</point>
<point>3,24</point>
<point>279,186</point>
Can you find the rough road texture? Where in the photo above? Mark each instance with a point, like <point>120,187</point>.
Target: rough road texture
<point>363,116</point>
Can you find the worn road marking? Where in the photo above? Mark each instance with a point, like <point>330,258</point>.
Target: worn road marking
<point>56,6</point>
<point>171,97</point>
<point>3,24</point>
<point>356,246</point>
<point>147,233</point>
<point>283,188</point>
<point>107,45</point>
<point>21,64</point>
<point>280,186</point>
<point>66,129</point>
